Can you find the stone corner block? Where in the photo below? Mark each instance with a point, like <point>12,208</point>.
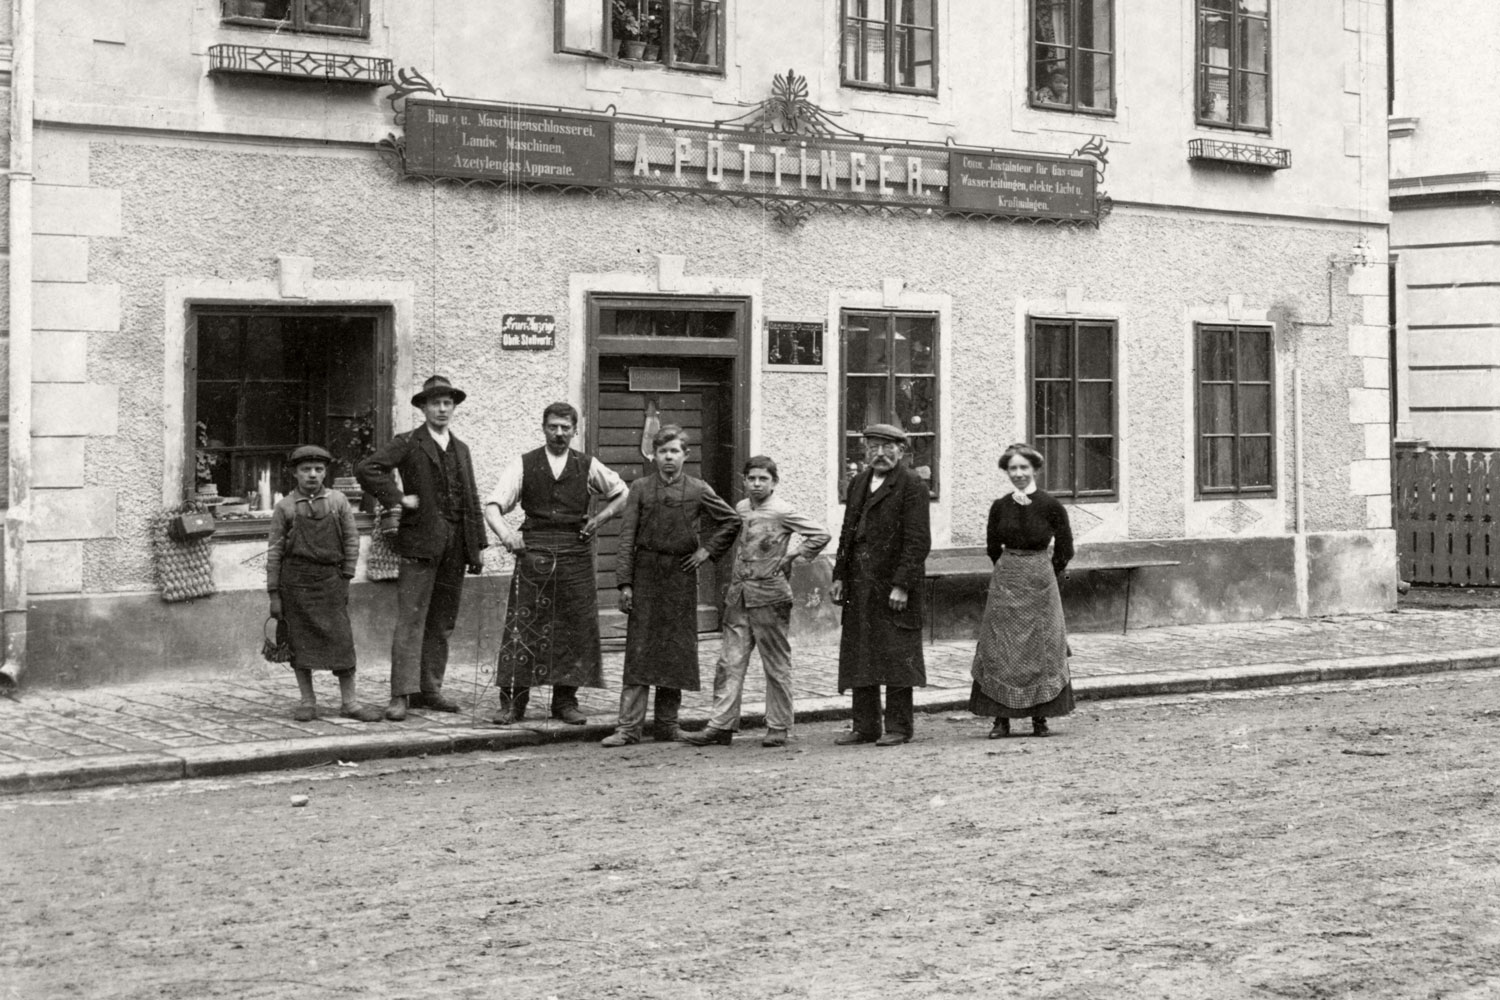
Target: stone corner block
<point>1369,406</point>
<point>71,306</point>
<point>1370,477</point>
<point>75,211</point>
<point>1369,279</point>
<point>1377,512</point>
<point>1369,341</point>
<point>60,356</point>
<point>66,515</point>
<point>62,158</point>
<point>57,462</point>
<point>54,567</point>
<point>74,410</point>
<point>60,258</point>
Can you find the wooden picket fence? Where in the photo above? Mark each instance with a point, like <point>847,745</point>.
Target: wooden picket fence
<point>1447,508</point>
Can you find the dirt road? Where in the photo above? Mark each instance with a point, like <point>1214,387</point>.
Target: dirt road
<point>1312,843</point>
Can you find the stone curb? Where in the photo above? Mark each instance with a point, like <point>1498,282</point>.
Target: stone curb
<point>275,755</point>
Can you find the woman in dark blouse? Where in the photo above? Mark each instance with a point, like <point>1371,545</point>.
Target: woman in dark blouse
<point>1021,661</point>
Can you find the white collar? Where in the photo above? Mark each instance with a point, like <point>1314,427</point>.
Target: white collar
<point>1023,497</point>
<point>557,462</point>
<point>440,438</point>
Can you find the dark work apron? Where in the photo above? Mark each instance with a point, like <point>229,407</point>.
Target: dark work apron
<point>315,604</point>
<point>552,618</point>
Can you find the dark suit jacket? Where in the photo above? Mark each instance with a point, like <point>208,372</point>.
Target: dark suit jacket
<point>883,544</point>
<point>416,456</point>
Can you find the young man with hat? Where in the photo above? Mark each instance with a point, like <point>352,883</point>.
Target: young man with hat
<point>310,559</point>
<point>441,536</point>
<point>877,577</point>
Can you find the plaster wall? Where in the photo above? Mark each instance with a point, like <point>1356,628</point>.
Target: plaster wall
<point>147,70</point>
<point>469,255</point>
<point>1443,93</point>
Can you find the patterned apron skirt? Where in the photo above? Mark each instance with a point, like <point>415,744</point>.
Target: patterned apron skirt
<point>552,618</point>
<point>1021,659</point>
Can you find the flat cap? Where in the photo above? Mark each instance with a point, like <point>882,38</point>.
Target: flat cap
<point>309,452</point>
<point>886,432</point>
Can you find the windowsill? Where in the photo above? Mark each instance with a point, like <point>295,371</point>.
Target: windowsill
<point>285,28</point>
<point>1237,129</point>
<point>876,88</point>
<point>656,64</point>
<point>1058,109</point>
<point>241,528</point>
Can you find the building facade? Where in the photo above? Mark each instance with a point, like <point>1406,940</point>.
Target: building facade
<point>1149,237</point>
<point>1445,226</point>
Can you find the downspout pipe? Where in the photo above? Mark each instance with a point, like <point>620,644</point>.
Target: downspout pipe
<point>13,597</point>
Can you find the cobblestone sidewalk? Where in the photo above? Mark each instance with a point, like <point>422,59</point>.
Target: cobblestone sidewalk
<point>188,719</point>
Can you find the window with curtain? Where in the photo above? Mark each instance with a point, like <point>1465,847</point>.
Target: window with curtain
<point>1236,423</point>
<point>1072,55</point>
<point>329,17</point>
<point>890,377</point>
<point>1073,406</point>
<point>890,45</point>
<point>677,34</point>
<point>1234,64</point>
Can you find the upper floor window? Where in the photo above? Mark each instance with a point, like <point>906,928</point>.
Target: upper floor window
<point>1236,415</point>
<point>678,34</point>
<point>331,17</point>
<point>1234,63</point>
<point>1072,55</point>
<point>890,45</point>
<point>1073,406</point>
<point>890,377</point>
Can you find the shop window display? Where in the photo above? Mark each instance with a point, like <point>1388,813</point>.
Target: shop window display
<point>1072,62</point>
<point>890,45</point>
<point>1073,406</point>
<point>1234,64</point>
<point>339,17</point>
<point>260,383</point>
<point>890,376</point>
<point>1236,423</point>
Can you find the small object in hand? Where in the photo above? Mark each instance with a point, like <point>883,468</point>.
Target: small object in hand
<point>279,648</point>
<point>298,801</point>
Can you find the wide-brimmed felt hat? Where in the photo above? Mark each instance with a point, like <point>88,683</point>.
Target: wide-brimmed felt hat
<point>306,452</point>
<point>886,432</point>
<point>437,385</point>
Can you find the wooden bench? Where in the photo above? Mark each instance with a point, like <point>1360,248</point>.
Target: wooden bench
<point>943,566</point>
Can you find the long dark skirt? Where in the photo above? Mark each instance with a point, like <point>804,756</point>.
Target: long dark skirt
<point>1021,659</point>
<point>552,618</point>
<point>315,604</point>
<point>661,641</point>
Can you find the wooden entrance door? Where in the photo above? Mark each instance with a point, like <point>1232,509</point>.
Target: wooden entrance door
<point>696,352</point>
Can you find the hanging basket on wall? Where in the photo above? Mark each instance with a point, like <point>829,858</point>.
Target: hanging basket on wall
<point>184,568</point>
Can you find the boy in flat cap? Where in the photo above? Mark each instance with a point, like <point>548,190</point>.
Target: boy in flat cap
<point>877,577</point>
<point>441,535</point>
<point>310,560</point>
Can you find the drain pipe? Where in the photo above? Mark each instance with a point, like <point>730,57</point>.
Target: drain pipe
<point>18,433</point>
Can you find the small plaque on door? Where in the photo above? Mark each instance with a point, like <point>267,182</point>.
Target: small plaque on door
<point>655,380</point>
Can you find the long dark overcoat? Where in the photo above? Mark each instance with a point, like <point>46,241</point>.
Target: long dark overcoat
<point>883,544</point>
<point>416,457</point>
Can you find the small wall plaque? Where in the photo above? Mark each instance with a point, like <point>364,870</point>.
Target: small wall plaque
<point>794,345</point>
<point>528,332</point>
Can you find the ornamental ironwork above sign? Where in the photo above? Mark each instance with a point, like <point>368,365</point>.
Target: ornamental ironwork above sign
<point>784,154</point>
<point>1239,153</point>
<point>330,67</point>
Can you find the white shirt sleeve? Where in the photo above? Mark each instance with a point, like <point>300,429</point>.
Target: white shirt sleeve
<point>507,492</point>
<point>604,481</point>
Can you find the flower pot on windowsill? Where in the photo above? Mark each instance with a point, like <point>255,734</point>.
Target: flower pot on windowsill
<point>254,8</point>
<point>635,51</point>
<point>652,52</point>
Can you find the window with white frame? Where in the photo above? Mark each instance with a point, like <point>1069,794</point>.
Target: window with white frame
<point>890,45</point>
<point>1234,64</point>
<point>677,34</point>
<point>1072,55</point>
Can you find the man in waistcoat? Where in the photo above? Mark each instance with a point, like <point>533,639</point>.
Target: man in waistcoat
<point>430,474</point>
<point>877,577</point>
<point>552,618</point>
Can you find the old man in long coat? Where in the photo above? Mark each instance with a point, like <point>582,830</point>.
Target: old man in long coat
<point>877,576</point>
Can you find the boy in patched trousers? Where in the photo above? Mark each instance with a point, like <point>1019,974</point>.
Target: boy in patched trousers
<point>758,607</point>
<point>310,560</point>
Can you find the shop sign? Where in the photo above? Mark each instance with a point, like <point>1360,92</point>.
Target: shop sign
<point>528,332</point>
<point>786,154</point>
<point>493,142</point>
<point>793,344</point>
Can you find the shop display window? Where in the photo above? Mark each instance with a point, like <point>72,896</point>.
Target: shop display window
<point>1072,55</point>
<point>261,382</point>
<point>1234,64</point>
<point>678,34</point>
<point>889,376</point>
<point>890,45</point>
<point>1236,424</point>
<point>1074,407</point>
<point>331,17</point>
